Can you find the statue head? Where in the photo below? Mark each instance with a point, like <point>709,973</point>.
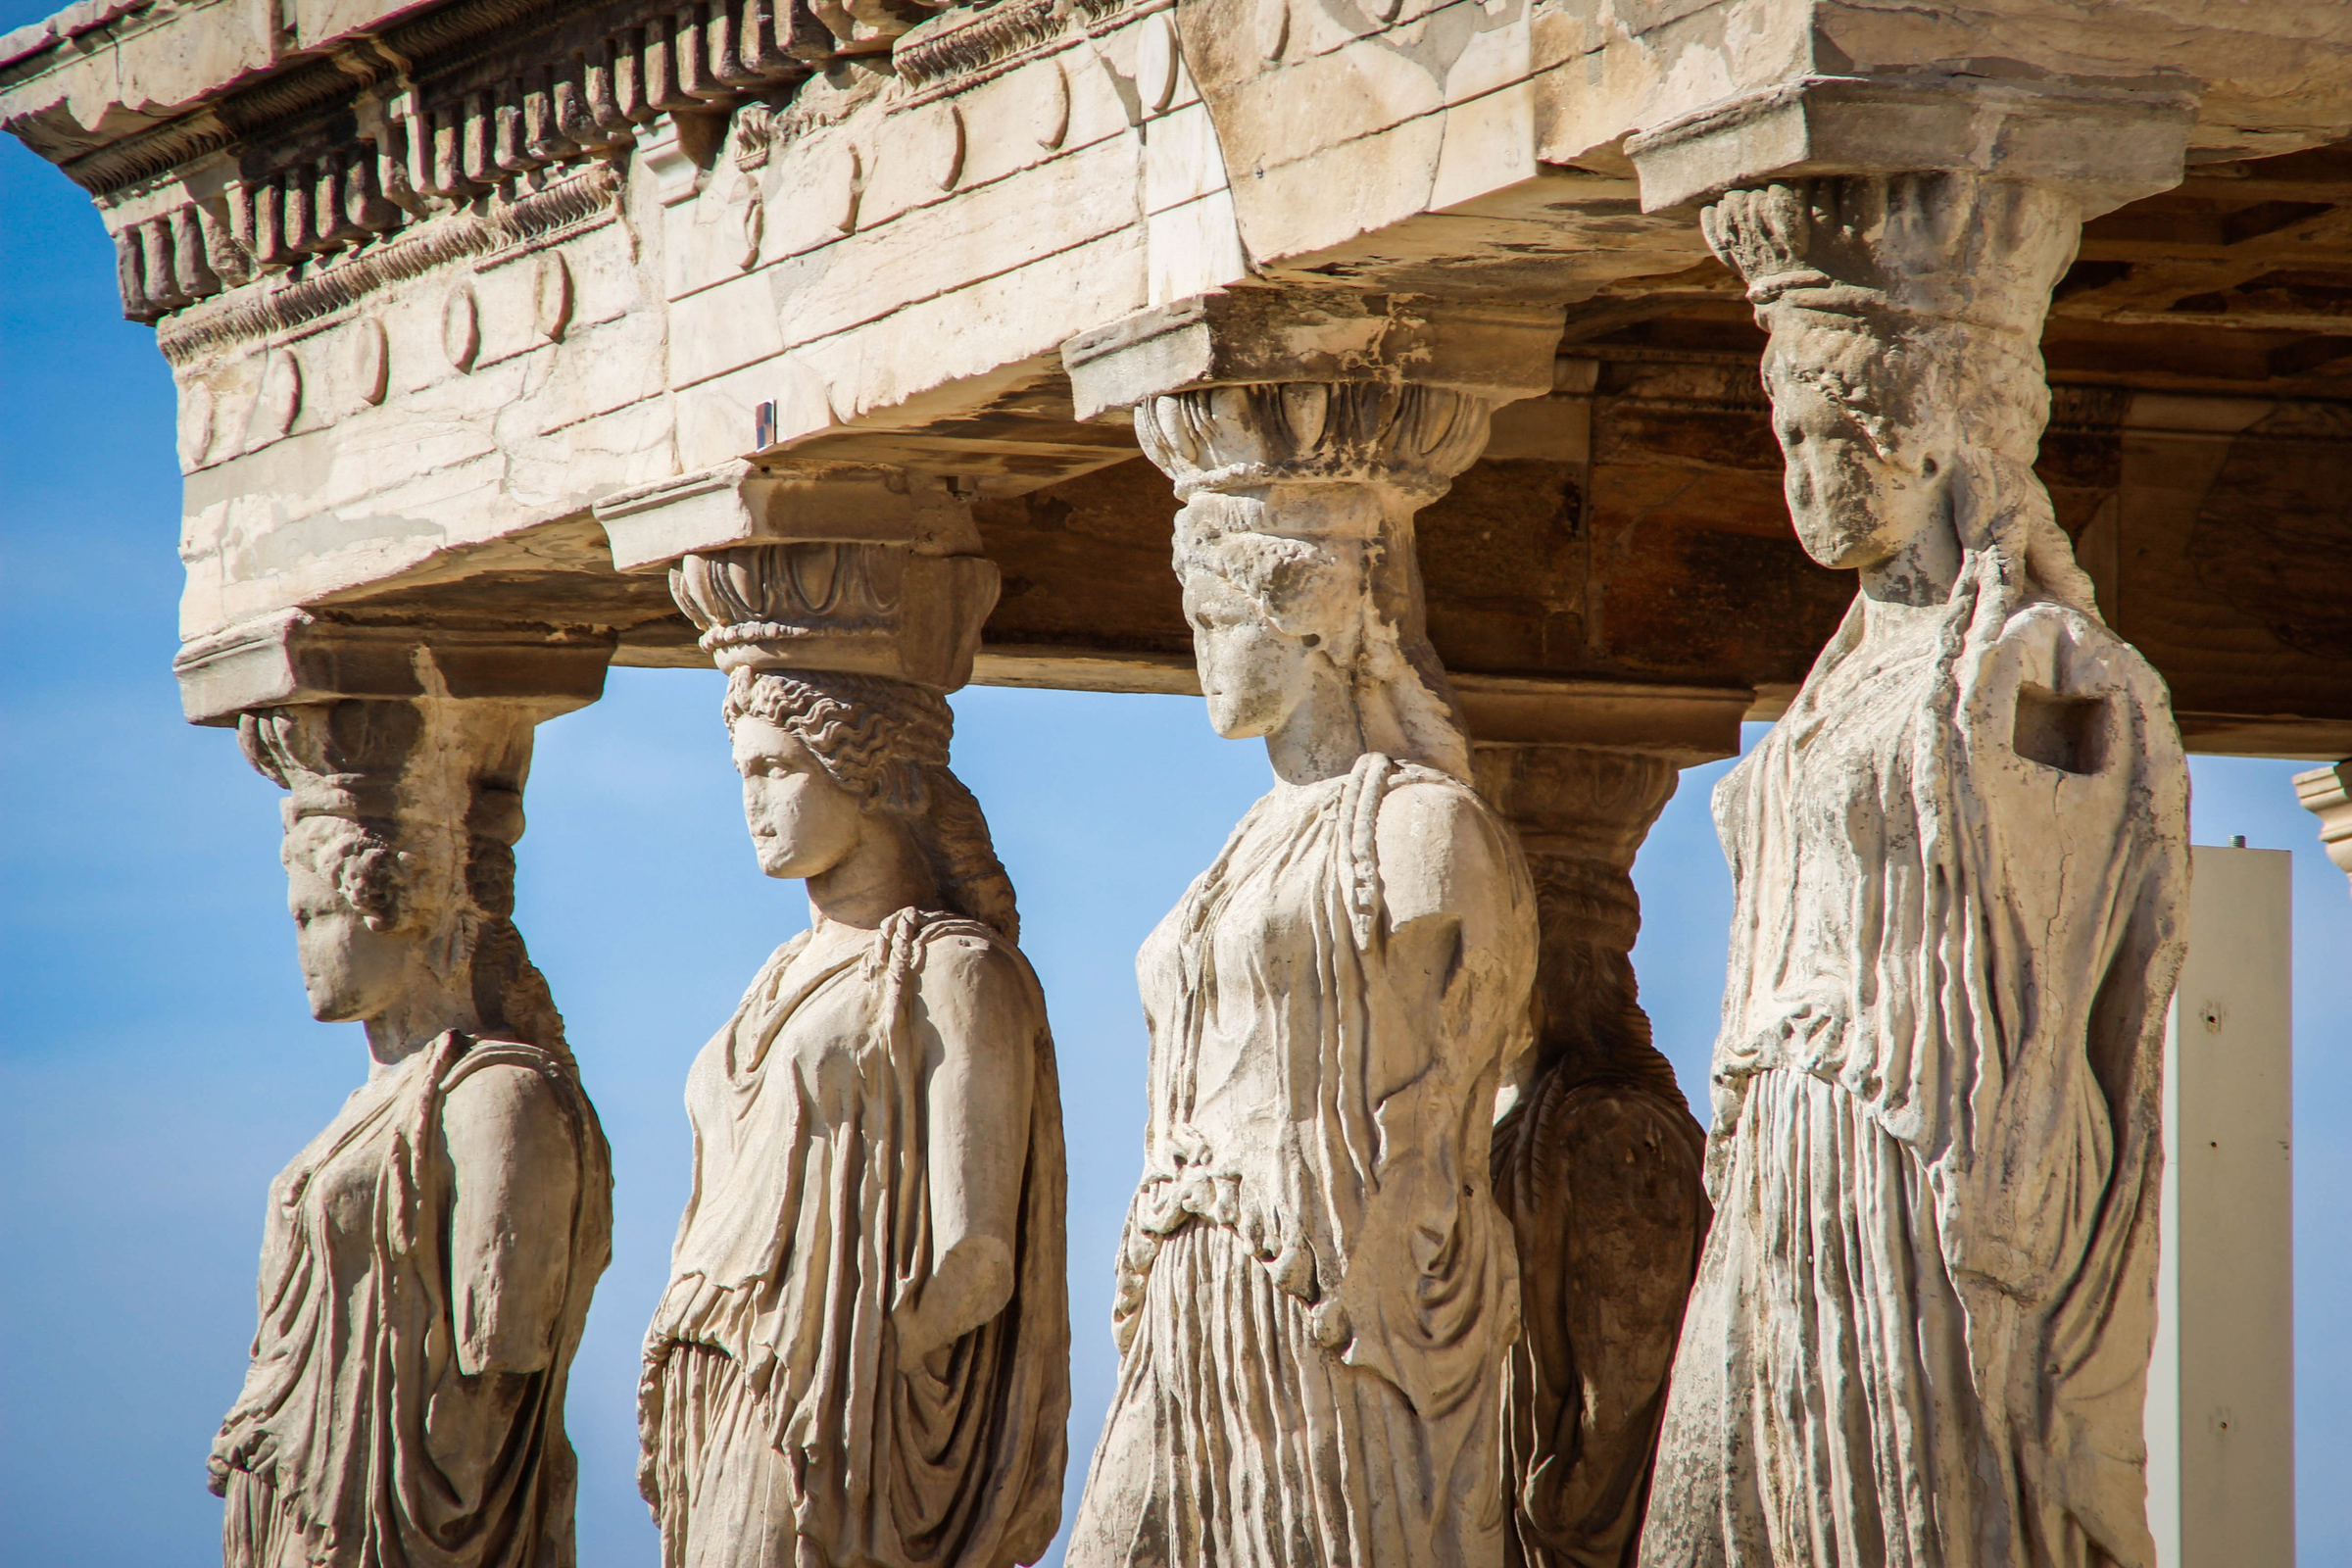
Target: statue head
<point>400,827</point>
<point>828,759</point>
<point>1863,476</point>
<point>1269,616</point>
<point>1295,550</point>
<point>1905,366</point>
<point>357,936</point>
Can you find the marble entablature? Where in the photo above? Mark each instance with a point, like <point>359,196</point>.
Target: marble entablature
<point>435,282</point>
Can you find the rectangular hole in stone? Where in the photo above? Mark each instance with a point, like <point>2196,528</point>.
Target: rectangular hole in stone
<point>2067,733</point>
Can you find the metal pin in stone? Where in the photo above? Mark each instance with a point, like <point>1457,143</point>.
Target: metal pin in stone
<point>764,428</point>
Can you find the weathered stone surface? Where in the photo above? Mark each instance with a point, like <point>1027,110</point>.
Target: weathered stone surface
<point>428,1259</point>
<point>1598,1164</point>
<point>743,503</point>
<point>483,311</point>
<point>2102,146</point>
<point>1315,1291</point>
<point>1239,336</point>
<point>2324,794</point>
<point>1960,862</point>
<point>438,281</point>
<point>298,658</point>
<point>864,1352</point>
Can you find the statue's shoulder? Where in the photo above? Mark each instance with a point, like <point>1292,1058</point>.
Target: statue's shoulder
<point>490,1074</point>
<point>1427,806</point>
<point>975,985</point>
<point>956,948</point>
<point>1442,847</point>
<point>2067,650</point>
<point>508,1102</point>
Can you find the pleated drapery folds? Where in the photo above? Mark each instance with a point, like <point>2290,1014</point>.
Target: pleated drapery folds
<point>360,1440</point>
<point>1922,1326</point>
<point>781,1425</point>
<point>1317,1288</point>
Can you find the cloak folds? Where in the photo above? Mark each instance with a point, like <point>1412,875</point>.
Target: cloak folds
<point>778,1418</point>
<point>1317,1288</point>
<point>1922,1325</point>
<point>359,1440</point>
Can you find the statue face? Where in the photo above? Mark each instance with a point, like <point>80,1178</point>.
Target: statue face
<point>351,970</point>
<point>803,824</point>
<point>1853,504</point>
<point>1253,674</point>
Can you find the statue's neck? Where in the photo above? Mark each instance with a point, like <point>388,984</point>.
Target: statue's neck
<point>431,1006</point>
<point>1316,744</point>
<point>1331,729</point>
<point>1921,572</point>
<point>886,872</point>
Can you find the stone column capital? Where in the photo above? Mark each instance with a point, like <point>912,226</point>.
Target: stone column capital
<point>299,656</point>
<point>2103,146</point>
<point>1406,441</point>
<point>848,608</point>
<point>1491,353</point>
<point>841,568</point>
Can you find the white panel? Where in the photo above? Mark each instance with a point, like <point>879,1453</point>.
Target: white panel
<point>2221,1418</point>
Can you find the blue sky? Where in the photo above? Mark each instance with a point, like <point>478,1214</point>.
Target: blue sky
<point>157,1064</point>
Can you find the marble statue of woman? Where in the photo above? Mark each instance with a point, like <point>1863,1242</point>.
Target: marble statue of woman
<point>1922,1324</point>
<point>1316,1289</point>
<point>427,1260</point>
<point>861,1361</point>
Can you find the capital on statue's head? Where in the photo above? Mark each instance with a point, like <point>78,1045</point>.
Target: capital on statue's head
<point>1941,245</point>
<point>849,609</point>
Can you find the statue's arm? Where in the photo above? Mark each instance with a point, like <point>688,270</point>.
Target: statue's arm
<point>978,1026</point>
<point>515,1174</point>
<point>1453,904</point>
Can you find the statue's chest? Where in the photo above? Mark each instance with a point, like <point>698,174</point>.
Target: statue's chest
<point>826,1056</point>
<point>1242,970</point>
<point>838,1046</point>
<point>330,1200</point>
<point>1838,832</point>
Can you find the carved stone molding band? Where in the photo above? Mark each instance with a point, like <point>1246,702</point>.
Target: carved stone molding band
<point>472,105</point>
<point>1316,1293</point>
<point>428,1259</point>
<point>1959,864</point>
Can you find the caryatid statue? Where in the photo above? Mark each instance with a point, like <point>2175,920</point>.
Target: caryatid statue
<point>427,1260</point>
<point>862,1360</point>
<point>1922,1324</point>
<point>1316,1289</point>
<point>1597,1162</point>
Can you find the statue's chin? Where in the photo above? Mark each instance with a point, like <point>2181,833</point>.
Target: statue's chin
<point>1240,719</point>
<point>334,1006</point>
<point>1841,546</point>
